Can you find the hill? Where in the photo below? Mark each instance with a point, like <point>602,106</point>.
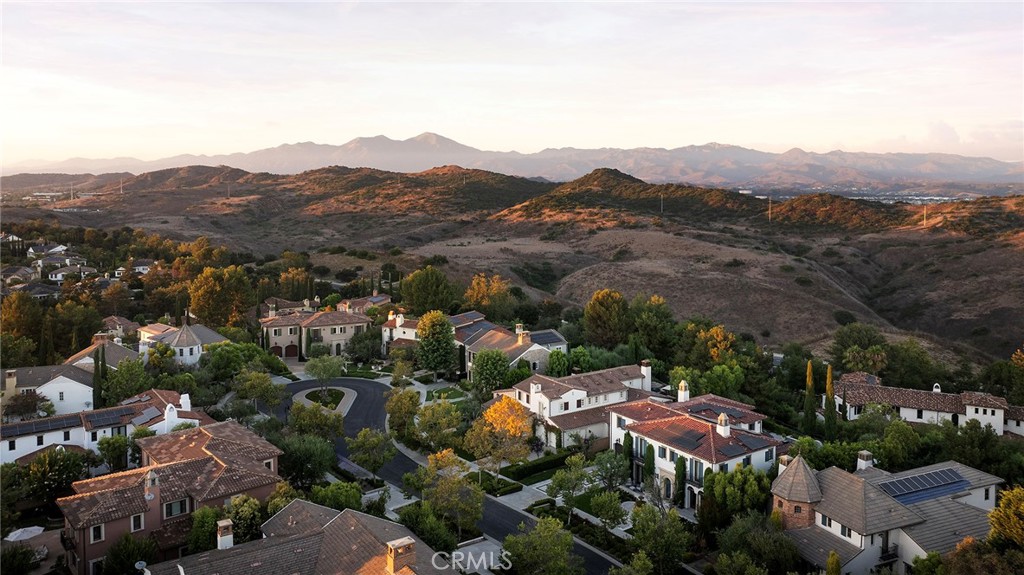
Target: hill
<point>949,274</point>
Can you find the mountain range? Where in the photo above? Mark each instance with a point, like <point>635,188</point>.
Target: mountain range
<point>706,165</point>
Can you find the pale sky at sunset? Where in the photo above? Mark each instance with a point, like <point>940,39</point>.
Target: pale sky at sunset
<point>151,80</point>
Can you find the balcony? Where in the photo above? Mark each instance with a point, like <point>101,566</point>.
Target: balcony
<point>66,541</point>
<point>889,554</point>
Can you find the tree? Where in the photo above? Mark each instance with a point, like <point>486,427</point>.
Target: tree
<point>544,550</point>
<point>449,492</point>
<point>606,319</point>
<point>221,296</point>
<point>130,378</point>
<point>490,367</point>
<point>653,324</point>
<point>323,369</point>
<point>371,449</point>
<point>364,347</point>
<point>579,358</point>
<point>257,386</point>
<point>135,452</point>
<point>401,407</point>
<point>501,433</point>
<point>16,351</point>
<point>491,297</point>
<point>13,488</point>
<point>569,482</point>
<point>401,373</point>
<point>1007,519</point>
<point>426,524</point>
<point>640,564</point>
<point>755,535</point>
<point>437,425</point>
<point>899,446</point>
<point>20,315</point>
<point>28,405</point>
<point>436,351</point>
<point>246,515</point>
<point>116,299</point>
<point>427,289</point>
<point>340,495</point>
<point>627,449</point>
<point>831,416</point>
<point>741,490</point>
<point>53,471</point>
<point>663,537</point>
<point>558,364</point>
<point>282,495</point>
<point>610,470</point>
<point>306,459</point>
<point>833,566</point>
<point>854,334</point>
<point>315,420</point>
<point>18,558</point>
<point>871,360</point>
<point>608,508</point>
<point>737,563</point>
<point>127,551</point>
<point>203,535</point>
<point>810,421</point>
<point>649,461</point>
<point>114,451</point>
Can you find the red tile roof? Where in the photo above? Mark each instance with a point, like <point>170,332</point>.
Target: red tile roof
<point>857,393</point>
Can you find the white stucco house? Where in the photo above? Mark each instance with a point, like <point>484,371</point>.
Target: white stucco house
<point>68,387</point>
<point>188,342</point>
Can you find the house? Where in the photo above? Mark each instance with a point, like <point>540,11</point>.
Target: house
<point>853,391</point>
<point>360,305</point>
<point>37,290</point>
<point>59,274</point>
<point>518,346</point>
<point>157,409</point>
<point>13,275</point>
<point>399,332</point>
<point>286,335</point>
<point>150,331</point>
<point>56,261</point>
<point>42,249</point>
<point>140,266</point>
<point>708,432</point>
<point>113,353</point>
<point>182,471</point>
<point>578,404</point>
<point>874,519</point>
<point>304,538</point>
<point>273,306</point>
<point>68,387</point>
<point>120,326</point>
<point>188,342</point>
<point>9,238</point>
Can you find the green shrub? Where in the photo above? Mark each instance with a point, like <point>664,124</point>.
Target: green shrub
<point>844,317</point>
<point>804,281</point>
<point>521,470</point>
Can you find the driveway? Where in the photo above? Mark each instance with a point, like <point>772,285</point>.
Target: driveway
<point>498,519</point>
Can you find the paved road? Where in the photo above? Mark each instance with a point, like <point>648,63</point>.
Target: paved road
<point>498,519</point>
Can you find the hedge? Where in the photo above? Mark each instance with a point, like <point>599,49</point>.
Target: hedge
<point>522,470</point>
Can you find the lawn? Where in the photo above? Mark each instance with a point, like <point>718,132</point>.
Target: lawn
<point>451,393</point>
<point>539,476</point>
<point>582,501</point>
<point>333,397</point>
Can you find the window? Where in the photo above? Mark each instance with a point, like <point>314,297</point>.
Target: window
<point>175,508</point>
<point>824,521</point>
<point>269,464</point>
<point>535,366</point>
<point>277,331</point>
<point>746,461</point>
<point>181,352</point>
<point>292,330</point>
<point>620,422</point>
<point>138,522</point>
<point>723,467</point>
<point>920,414</point>
<point>579,403</point>
<point>334,330</point>
<point>984,411</point>
<point>39,440</point>
<point>11,445</point>
<point>96,533</point>
<point>798,510</point>
<point>119,430</point>
<point>662,452</point>
<point>986,494</point>
<point>565,406</point>
<point>96,567</point>
<point>60,396</point>
<point>975,411</point>
<point>780,504</point>
<point>67,436</point>
<point>846,531</point>
<point>191,351</point>
<point>769,455</point>
<point>672,455</point>
<point>519,395</point>
<point>93,436</point>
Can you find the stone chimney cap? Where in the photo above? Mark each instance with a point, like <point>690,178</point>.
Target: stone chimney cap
<point>403,542</point>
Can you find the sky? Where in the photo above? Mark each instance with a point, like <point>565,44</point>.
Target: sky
<point>151,80</point>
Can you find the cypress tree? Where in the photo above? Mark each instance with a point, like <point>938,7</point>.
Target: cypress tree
<point>627,449</point>
<point>649,461</point>
<point>97,380</point>
<point>831,422</point>
<point>810,422</point>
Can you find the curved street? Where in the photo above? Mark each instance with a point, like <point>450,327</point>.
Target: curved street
<point>498,519</point>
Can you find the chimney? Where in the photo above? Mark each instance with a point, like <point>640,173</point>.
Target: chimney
<point>151,488</point>
<point>225,539</point>
<point>936,388</point>
<point>273,310</point>
<point>401,554</point>
<point>102,336</point>
<point>864,459</point>
<point>316,298</point>
<point>391,315</point>
<point>723,425</point>
<point>784,462</point>
<point>185,402</point>
<point>10,383</point>
<point>374,292</point>
<point>306,302</point>
<point>645,371</point>
<point>683,391</point>
<point>118,341</point>
<point>399,320</point>
<point>521,334</point>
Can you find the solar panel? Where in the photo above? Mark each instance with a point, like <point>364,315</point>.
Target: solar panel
<point>921,482</point>
<point>753,441</point>
<point>146,415</point>
<point>688,439</point>
<point>39,425</point>
<point>731,450</point>
<point>131,400</point>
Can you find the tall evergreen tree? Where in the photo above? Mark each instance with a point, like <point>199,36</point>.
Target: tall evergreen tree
<point>97,380</point>
<point>831,417</point>
<point>810,422</point>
